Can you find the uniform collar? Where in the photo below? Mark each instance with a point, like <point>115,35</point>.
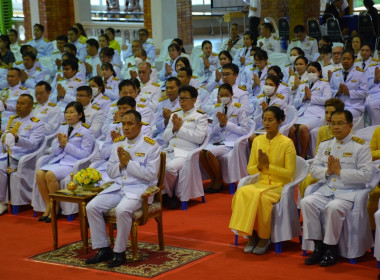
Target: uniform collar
<point>345,140</point>
<point>190,111</point>
<point>16,86</point>
<point>147,84</point>
<point>88,106</point>
<point>135,140</point>
<point>25,118</point>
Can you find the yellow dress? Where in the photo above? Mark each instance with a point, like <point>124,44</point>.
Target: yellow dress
<point>115,45</point>
<point>82,39</point>
<point>252,204</point>
<point>324,133</point>
<point>374,196</point>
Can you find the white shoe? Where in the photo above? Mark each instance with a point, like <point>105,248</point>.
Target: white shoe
<point>3,208</point>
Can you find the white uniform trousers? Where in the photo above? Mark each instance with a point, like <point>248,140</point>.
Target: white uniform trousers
<point>334,211</point>
<point>124,211</point>
<point>377,236</point>
<point>218,150</point>
<point>173,165</point>
<point>372,108</point>
<point>3,177</point>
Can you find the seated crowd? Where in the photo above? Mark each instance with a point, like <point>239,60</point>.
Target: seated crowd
<point>83,94</point>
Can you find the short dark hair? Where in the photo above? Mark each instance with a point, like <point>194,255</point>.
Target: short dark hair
<point>347,114</point>
<point>325,49</point>
<point>135,113</point>
<point>16,69</point>
<point>299,50</point>
<point>206,42</point>
<point>274,79</point>
<point>269,26</point>
<point>76,31</point>
<point>176,46</point>
<point>143,52</point>
<point>45,84</point>
<point>227,87</point>
<point>70,62</point>
<point>40,27</point>
<point>231,66</point>
<point>93,43</point>
<point>336,103</point>
<point>174,79</point>
<point>14,31</point>
<point>250,34</point>
<point>350,52</point>
<point>72,47</point>
<point>87,89</point>
<point>24,48</point>
<point>188,70</point>
<point>327,39</point>
<point>226,53</point>
<point>143,30</point>
<point>6,40</point>
<point>70,56</point>
<point>62,38</point>
<point>109,66</point>
<point>136,82</point>
<point>79,108</point>
<point>28,96</point>
<point>99,81</point>
<point>183,59</point>
<point>278,71</point>
<point>192,90</point>
<point>303,58</point>
<point>127,100</point>
<point>110,29</point>
<point>105,36</point>
<point>299,28</point>
<point>30,54</point>
<point>261,55</point>
<point>107,51</point>
<point>366,44</point>
<point>125,83</point>
<point>317,65</point>
<point>278,113</point>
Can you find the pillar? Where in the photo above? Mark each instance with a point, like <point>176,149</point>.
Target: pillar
<point>185,22</point>
<point>300,11</point>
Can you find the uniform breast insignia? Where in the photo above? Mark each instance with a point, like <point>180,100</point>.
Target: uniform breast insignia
<point>145,123</point>
<point>23,88</point>
<point>327,138</point>
<point>140,154</point>
<point>200,111</point>
<point>311,39</point>
<point>77,80</point>
<point>233,116</point>
<point>118,139</point>
<point>34,119</point>
<point>358,140</point>
<point>280,96</point>
<point>78,135</point>
<point>261,95</point>
<point>95,107</point>
<point>328,151</point>
<point>190,120</point>
<point>148,92</point>
<point>179,109</point>
<point>354,81</point>
<point>324,80</point>
<point>347,154</point>
<point>19,62</point>
<point>86,125</point>
<point>142,99</point>
<point>156,85</point>
<point>218,105</point>
<point>149,140</point>
<point>242,87</point>
<point>51,104</point>
<point>237,105</point>
<point>141,105</point>
<point>359,69</point>
<point>162,98</point>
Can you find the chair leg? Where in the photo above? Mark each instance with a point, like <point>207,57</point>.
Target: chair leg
<point>34,214</point>
<point>278,247</point>
<point>15,209</point>
<point>378,264</point>
<point>110,233</point>
<point>353,261</point>
<point>134,240</point>
<point>231,188</point>
<point>300,238</point>
<point>304,253</point>
<point>203,199</point>
<point>236,239</point>
<point>70,217</point>
<point>160,233</point>
<point>184,205</point>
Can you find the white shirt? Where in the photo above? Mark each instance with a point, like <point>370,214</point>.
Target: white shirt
<point>255,4</point>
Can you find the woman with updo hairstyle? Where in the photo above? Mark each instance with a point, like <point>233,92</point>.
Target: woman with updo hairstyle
<point>273,156</point>
<point>310,103</point>
<point>75,141</point>
<point>104,42</point>
<point>98,98</point>
<point>356,45</point>
<point>110,80</point>
<point>299,75</point>
<point>184,62</point>
<point>283,88</point>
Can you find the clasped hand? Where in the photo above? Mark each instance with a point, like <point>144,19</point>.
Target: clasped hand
<point>263,161</point>
<point>333,166</point>
<point>62,140</point>
<point>124,157</point>
<point>222,119</point>
<point>177,122</point>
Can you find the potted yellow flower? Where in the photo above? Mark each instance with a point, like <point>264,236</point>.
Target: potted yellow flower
<point>87,178</point>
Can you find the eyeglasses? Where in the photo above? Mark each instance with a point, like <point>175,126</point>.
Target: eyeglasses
<point>226,74</point>
<point>335,53</point>
<point>82,96</point>
<point>337,124</point>
<point>184,98</point>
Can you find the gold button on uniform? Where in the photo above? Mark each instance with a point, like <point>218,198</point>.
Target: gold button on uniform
<point>174,145</point>
<point>338,147</point>
<point>334,180</point>
<point>129,146</point>
<point>334,189</point>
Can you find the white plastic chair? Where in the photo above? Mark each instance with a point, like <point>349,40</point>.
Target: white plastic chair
<point>194,58</point>
<point>279,59</point>
<point>22,180</point>
<point>159,61</point>
<point>274,24</point>
<point>189,183</point>
<point>356,236</point>
<point>291,118</point>
<point>358,122</point>
<point>67,208</point>
<point>285,218</point>
<point>366,133</point>
<point>376,252</point>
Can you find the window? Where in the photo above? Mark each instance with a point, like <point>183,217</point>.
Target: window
<point>358,4</point>
<point>201,2</point>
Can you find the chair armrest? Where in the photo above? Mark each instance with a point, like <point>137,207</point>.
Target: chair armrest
<point>144,197</point>
<point>251,179</point>
<point>43,160</point>
<point>102,187</point>
<point>200,148</point>
<point>85,162</point>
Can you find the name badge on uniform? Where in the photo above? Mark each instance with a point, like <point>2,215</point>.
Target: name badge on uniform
<point>29,127</point>
<point>347,154</point>
<point>140,154</point>
<point>328,151</point>
<point>354,81</point>
<point>148,92</point>
<point>190,120</point>
<point>78,135</point>
<point>233,116</point>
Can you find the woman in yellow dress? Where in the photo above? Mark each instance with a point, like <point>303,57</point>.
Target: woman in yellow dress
<point>273,156</point>
<point>374,195</point>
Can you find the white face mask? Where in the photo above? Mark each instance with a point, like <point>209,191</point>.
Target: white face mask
<point>268,90</point>
<point>95,91</point>
<point>293,58</point>
<point>138,61</point>
<point>225,100</point>
<point>312,77</point>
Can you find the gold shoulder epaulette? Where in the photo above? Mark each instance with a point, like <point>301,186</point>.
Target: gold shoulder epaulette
<point>29,40</point>
<point>118,139</point>
<point>327,138</point>
<point>358,140</point>
<point>113,105</point>
<point>34,119</point>
<point>242,87</point>
<point>202,55</point>
<point>261,95</point>
<point>145,123</point>
<point>200,111</point>
<point>236,104</point>
<point>337,69</point>
<point>375,59</point>
<point>311,39</point>
<point>359,69</point>
<point>156,85</point>
<point>214,54</point>
<point>116,65</point>
<point>115,122</point>
<point>357,60</point>
<point>105,97</point>
<point>193,77</point>
<point>149,140</point>
<point>287,65</point>
<point>95,107</point>
<point>324,80</point>
<point>284,84</point>
<point>46,40</point>
<point>141,105</point>
<point>276,38</point>
<point>58,52</point>
<point>13,117</point>
<point>115,78</point>
<point>86,125</point>
<point>294,40</point>
<point>38,69</point>
<point>64,123</point>
<point>280,96</point>
<point>218,105</point>
<point>327,64</point>
<point>23,88</point>
<point>77,79</point>
<point>18,62</point>
<point>179,109</point>
<point>372,64</point>
<point>162,98</point>
<point>303,82</point>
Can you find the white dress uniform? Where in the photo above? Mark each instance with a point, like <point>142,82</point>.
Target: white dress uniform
<point>242,52</point>
<point>80,145</point>
<point>151,93</point>
<point>103,102</point>
<point>205,74</point>
<point>309,46</point>
<point>112,88</point>
<point>3,77</point>
<point>291,80</point>
<point>236,44</point>
<point>81,50</point>
<point>271,44</point>
<point>50,114</point>
<point>164,102</point>
<point>147,46</point>
<point>116,60</point>
<point>357,85</point>
<point>194,82</point>
<point>35,75</point>
<point>172,64</point>
<point>372,105</point>
<point>81,74</point>
<point>191,134</point>
<point>94,118</point>
<point>225,137</point>
<point>247,79</point>
<point>44,46</point>
<point>369,68</point>
<point>330,67</point>
<point>70,85</point>
<point>93,61</point>
<point>15,48</point>
<point>31,132</point>
<point>126,75</point>
<point>10,96</point>
<point>125,194</point>
<point>336,194</point>
<point>311,111</point>
<point>276,99</point>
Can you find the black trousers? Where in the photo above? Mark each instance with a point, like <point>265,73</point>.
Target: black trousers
<point>254,23</point>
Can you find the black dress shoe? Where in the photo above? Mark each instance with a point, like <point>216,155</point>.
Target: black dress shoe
<point>330,256</point>
<point>173,202</point>
<point>42,218</point>
<point>104,254</point>
<point>211,190</point>
<point>118,260</point>
<point>48,220</point>
<point>317,254</point>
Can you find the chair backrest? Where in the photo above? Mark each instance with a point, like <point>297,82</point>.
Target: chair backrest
<point>291,118</point>
<point>302,169</point>
<point>366,26</point>
<point>274,24</point>
<point>333,30</point>
<point>314,29</point>
<point>279,59</point>
<point>366,133</point>
<point>194,58</point>
<point>283,28</point>
<point>161,172</point>
<point>164,49</point>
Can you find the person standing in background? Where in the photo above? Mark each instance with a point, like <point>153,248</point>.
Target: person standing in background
<point>254,14</point>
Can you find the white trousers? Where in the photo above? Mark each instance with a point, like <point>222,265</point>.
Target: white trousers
<point>377,235</point>
<point>173,165</point>
<point>334,211</point>
<point>373,110</point>
<point>124,211</point>
<point>3,177</point>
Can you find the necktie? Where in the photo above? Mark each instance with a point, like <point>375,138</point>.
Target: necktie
<point>260,72</point>
<point>345,74</point>
<point>311,85</point>
<point>363,65</point>
<point>246,50</point>
<point>70,130</point>
<point>268,100</point>
<point>225,109</point>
